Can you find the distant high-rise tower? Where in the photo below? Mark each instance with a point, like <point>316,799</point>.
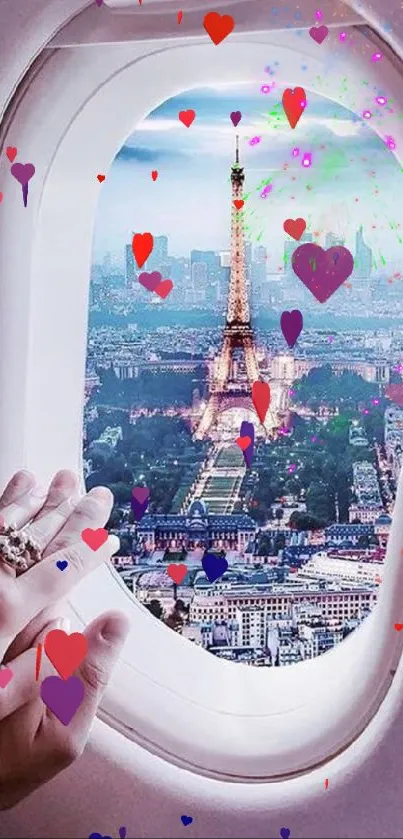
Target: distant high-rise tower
<point>130,267</point>
<point>228,387</point>
<point>331,241</point>
<point>159,254</point>
<point>363,257</point>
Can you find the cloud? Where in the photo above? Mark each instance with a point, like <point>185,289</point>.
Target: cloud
<point>140,154</point>
<point>131,153</point>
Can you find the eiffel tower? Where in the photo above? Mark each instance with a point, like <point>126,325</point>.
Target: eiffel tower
<point>236,366</point>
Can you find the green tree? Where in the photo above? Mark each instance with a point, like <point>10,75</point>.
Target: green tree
<point>154,606</point>
<point>320,502</point>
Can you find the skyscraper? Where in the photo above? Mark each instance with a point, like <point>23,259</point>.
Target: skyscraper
<point>210,258</point>
<point>159,255</point>
<point>332,241</point>
<point>363,257</point>
<point>130,267</point>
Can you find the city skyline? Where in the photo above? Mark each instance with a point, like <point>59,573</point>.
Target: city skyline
<point>176,203</point>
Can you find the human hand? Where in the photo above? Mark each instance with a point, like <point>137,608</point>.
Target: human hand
<point>34,744</point>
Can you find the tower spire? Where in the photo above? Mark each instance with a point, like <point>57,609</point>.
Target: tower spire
<point>236,367</point>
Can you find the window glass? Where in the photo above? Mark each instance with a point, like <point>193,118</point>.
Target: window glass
<point>299,531</point>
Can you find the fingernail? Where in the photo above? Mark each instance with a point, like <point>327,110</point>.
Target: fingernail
<point>101,492</point>
<point>115,628</point>
<point>64,478</point>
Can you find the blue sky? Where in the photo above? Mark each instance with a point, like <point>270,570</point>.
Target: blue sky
<point>354,178</point>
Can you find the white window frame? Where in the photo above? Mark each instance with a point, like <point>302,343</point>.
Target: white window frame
<point>167,694</point>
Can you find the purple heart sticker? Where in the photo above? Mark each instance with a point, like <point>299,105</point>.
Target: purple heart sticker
<point>214,566</point>
<point>23,172</point>
<point>319,270</point>
<point>291,326</point>
<point>319,33</point>
<point>235,117</point>
<point>285,832</point>
<point>248,430</point>
<point>139,501</point>
<point>150,281</point>
<point>62,697</point>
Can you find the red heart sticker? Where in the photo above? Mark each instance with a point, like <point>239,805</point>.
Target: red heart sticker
<point>154,174</point>
<point>142,246</point>
<point>295,227</point>
<point>294,103</point>
<point>218,26</point>
<point>238,204</point>
<point>177,573</point>
<point>66,652</point>
<point>101,178</point>
<point>261,397</point>
<point>1,197</point>
<point>11,153</point>
<point>187,117</point>
<point>94,538</point>
<point>243,442</point>
<point>398,626</point>
<point>164,288</point>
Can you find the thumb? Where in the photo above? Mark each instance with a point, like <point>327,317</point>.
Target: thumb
<point>105,636</point>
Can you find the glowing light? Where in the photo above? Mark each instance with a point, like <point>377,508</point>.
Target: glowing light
<point>295,152</point>
<point>265,88</point>
<point>254,140</point>
<point>266,191</point>
<point>390,143</point>
<point>318,14</point>
<point>377,56</point>
<point>381,100</point>
<point>306,160</point>
<point>367,114</point>
<point>342,36</point>
<point>303,103</point>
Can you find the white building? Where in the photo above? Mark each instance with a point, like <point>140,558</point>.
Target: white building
<point>322,566</point>
<point>341,601</point>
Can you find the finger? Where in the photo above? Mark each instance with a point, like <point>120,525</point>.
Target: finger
<point>29,634</point>
<point>91,511</point>
<point>22,499</point>
<point>106,636</point>
<point>19,484</point>
<point>23,687</point>
<point>45,583</point>
<point>62,497</point>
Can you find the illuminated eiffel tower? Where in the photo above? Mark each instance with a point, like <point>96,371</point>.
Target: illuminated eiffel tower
<point>236,367</point>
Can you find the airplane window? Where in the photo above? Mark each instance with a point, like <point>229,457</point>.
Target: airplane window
<point>261,540</point>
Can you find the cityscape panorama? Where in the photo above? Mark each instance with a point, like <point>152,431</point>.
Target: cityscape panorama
<point>299,530</point>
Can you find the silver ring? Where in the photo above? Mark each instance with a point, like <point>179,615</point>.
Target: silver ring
<point>17,550</point>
